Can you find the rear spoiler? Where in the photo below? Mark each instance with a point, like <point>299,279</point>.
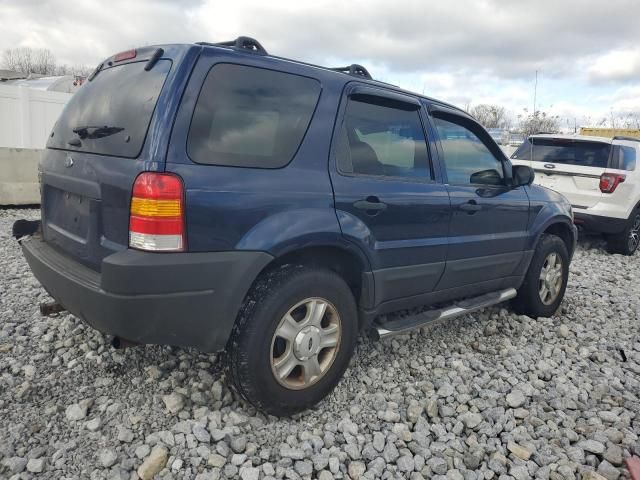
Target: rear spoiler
<point>628,139</point>
<point>151,56</point>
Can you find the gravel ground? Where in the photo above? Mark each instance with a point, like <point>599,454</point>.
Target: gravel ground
<point>490,395</point>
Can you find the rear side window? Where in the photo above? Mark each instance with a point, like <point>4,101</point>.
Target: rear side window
<point>623,158</point>
<point>110,115</point>
<point>251,117</point>
<point>565,151</point>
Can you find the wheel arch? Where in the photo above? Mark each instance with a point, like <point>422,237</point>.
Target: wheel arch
<point>344,259</point>
<point>563,230</point>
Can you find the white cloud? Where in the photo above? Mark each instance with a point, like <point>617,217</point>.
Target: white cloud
<point>617,65</point>
<point>463,51</point>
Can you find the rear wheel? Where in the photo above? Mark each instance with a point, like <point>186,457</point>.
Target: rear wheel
<point>293,339</point>
<point>626,242</point>
<point>546,280</point>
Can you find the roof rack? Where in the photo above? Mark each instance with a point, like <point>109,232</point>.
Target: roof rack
<point>355,70</point>
<point>630,139</point>
<point>240,43</point>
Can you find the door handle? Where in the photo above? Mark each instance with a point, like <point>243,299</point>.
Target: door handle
<point>470,207</point>
<point>371,203</point>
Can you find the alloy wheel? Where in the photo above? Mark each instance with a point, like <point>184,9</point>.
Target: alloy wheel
<point>634,234</point>
<point>305,343</point>
<point>550,279</point>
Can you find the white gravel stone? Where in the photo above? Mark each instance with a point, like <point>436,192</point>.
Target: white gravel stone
<point>107,457</point>
<point>76,412</point>
<point>592,446</point>
<point>125,435</point>
<point>154,463</point>
<point>515,398</point>
<point>36,465</point>
<point>447,402</point>
<point>174,402</point>
<point>356,470</point>
<point>93,424</point>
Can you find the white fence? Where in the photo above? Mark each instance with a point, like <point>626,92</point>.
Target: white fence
<point>27,115</point>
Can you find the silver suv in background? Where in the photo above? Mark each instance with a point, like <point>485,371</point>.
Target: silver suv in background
<point>599,176</point>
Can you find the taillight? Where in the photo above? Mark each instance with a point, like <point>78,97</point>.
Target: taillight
<point>610,181</point>
<point>156,221</point>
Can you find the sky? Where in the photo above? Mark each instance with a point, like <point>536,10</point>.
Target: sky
<point>587,53</point>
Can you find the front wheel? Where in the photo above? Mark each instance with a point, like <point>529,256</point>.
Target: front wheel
<point>626,242</point>
<point>546,280</point>
<point>293,339</point>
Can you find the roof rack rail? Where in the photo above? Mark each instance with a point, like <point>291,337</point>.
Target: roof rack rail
<point>355,70</point>
<point>630,139</point>
<point>240,43</point>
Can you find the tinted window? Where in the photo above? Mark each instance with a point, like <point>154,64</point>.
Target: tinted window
<point>251,117</point>
<point>565,151</point>
<point>467,159</point>
<point>111,113</point>
<point>382,140</point>
<point>623,158</point>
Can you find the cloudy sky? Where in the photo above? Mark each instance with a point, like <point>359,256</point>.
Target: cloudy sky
<point>587,53</point>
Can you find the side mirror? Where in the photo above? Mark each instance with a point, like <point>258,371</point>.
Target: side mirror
<point>522,175</point>
<point>486,177</point>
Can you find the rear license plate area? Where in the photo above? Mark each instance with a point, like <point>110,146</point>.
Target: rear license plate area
<point>67,213</point>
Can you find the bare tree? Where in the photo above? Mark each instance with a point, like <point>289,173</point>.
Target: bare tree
<point>490,116</point>
<point>538,122</point>
<point>75,70</point>
<point>29,60</point>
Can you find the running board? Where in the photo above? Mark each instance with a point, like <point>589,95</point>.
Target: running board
<point>405,324</point>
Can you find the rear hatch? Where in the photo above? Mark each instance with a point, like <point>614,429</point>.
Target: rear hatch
<point>569,166</point>
<point>96,150</point>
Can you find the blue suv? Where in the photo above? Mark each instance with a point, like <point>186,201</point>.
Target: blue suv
<point>216,196</point>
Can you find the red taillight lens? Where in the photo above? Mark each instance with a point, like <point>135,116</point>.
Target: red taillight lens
<point>156,221</point>
<point>610,181</point>
<point>126,55</point>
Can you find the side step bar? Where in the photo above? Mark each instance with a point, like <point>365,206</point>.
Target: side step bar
<point>405,324</point>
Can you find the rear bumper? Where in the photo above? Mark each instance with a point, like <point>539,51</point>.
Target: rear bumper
<point>186,299</point>
<point>598,223</point>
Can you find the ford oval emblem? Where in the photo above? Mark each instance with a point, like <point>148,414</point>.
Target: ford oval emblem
<point>68,162</point>
<point>549,165</point>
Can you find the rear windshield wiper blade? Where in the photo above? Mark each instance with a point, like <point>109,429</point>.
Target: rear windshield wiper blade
<point>92,132</point>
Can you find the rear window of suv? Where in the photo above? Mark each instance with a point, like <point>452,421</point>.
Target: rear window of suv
<point>251,117</point>
<point>565,151</point>
<point>110,115</point>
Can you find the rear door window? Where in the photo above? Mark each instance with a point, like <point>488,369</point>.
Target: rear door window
<point>383,140</point>
<point>110,115</point>
<point>565,151</point>
<point>251,117</point>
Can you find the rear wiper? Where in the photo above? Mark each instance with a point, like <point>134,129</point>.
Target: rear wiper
<point>89,131</point>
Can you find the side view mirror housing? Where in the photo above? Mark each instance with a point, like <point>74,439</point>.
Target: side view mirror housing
<point>522,175</point>
<point>486,177</point>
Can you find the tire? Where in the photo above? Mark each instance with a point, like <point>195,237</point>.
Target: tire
<point>626,242</point>
<point>529,300</point>
<point>255,352</point>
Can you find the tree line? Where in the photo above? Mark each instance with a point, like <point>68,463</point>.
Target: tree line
<point>39,61</point>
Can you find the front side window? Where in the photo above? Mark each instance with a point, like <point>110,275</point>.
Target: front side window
<point>383,140</point>
<point>467,159</point>
<point>251,117</point>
